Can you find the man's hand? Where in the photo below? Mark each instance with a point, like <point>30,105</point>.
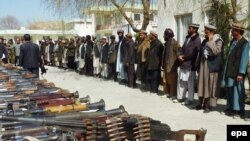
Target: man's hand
<point>180,58</point>
<point>239,78</point>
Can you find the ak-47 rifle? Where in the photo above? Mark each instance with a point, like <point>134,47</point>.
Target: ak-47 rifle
<point>102,114</point>
<point>69,108</point>
<point>61,101</point>
<point>12,106</point>
<point>40,97</point>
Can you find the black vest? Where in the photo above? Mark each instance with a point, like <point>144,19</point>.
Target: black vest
<point>234,58</point>
<point>214,62</point>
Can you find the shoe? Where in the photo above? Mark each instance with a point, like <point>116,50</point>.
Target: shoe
<point>242,114</point>
<point>207,109</point>
<point>173,98</point>
<point>198,107</point>
<point>187,102</point>
<point>229,112</point>
<point>169,96</point>
<point>163,96</point>
<point>177,100</point>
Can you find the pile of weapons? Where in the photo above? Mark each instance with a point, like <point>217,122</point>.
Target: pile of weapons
<point>33,109</point>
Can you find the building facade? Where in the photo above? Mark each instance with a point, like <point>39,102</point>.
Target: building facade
<point>178,14</point>
<point>108,19</point>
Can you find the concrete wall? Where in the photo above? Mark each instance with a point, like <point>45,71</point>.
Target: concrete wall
<point>169,10</point>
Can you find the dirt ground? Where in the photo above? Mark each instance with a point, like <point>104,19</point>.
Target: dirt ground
<point>135,101</point>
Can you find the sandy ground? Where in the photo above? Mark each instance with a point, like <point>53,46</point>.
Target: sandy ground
<point>175,115</point>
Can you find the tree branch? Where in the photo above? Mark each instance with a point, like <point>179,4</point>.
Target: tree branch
<point>123,13</point>
<point>146,18</point>
<point>233,3</point>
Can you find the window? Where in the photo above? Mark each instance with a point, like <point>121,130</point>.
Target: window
<point>118,18</point>
<point>151,17</point>
<point>137,17</point>
<point>182,26</point>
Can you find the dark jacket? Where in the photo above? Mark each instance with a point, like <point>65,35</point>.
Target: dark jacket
<point>122,50</point>
<point>130,52</point>
<point>29,55</point>
<point>42,49</point>
<point>71,50</point>
<point>190,51</point>
<point>89,49</point>
<point>170,62</point>
<point>82,51</point>
<point>154,56</point>
<point>51,48</point>
<point>105,52</point>
<point>97,52</point>
<point>2,51</point>
<point>60,52</point>
<point>112,53</point>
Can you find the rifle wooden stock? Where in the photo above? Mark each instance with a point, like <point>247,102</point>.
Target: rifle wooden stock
<point>61,101</point>
<point>55,102</point>
<point>4,77</point>
<point>179,135</point>
<point>53,96</point>
<point>75,107</point>
<point>37,97</point>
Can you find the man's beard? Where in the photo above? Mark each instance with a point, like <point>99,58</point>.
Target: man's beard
<point>190,33</point>
<point>206,37</point>
<point>121,37</point>
<point>166,38</point>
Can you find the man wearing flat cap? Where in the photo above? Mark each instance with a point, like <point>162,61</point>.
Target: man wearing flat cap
<point>17,50</point>
<point>96,58</point>
<point>130,60</point>
<point>142,58</point>
<point>104,57</point>
<point>209,66</point>
<point>112,58</point>
<point>235,72</point>
<point>187,56</point>
<point>154,58</point>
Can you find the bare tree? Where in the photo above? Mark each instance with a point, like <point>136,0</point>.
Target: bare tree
<point>9,22</point>
<point>79,6</point>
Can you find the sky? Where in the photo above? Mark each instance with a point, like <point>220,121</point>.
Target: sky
<point>26,10</point>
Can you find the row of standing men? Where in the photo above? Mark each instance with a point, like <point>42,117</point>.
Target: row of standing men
<point>144,59</point>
